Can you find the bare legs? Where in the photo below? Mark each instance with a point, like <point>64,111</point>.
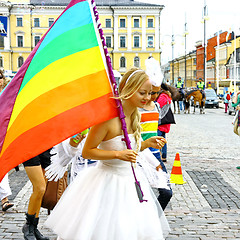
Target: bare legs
<point>36,176</point>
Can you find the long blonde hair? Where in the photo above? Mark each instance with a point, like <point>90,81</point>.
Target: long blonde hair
<point>127,88</point>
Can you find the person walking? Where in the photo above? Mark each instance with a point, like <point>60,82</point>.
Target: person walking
<point>35,171</point>
<point>236,104</point>
<point>102,201</point>
<point>5,192</point>
<point>149,123</point>
<point>179,86</point>
<point>226,98</point>
<point>164,100</point>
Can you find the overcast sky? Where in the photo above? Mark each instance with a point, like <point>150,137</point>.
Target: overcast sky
<point>223,15</point>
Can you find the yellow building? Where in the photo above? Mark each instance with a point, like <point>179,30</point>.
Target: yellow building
<point>131,29</point>
<point>184,67</point>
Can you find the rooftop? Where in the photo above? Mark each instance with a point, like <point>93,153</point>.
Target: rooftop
<point>98,2</point>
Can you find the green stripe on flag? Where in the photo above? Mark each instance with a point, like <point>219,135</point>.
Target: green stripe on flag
<point>64,45</point>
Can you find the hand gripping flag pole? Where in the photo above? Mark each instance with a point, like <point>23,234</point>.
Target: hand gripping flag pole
<point>119,104</point>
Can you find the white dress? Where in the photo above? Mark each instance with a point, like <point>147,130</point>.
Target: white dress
<point>102,204</point>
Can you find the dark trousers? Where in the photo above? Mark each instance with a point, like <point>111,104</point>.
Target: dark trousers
<point>226,107</point>
<point>164,197</point>
<point>164,149</point>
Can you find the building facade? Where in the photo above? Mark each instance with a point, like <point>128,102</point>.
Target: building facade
<point>131,29</point>
<point>184,67</point>
<point>222,65</point>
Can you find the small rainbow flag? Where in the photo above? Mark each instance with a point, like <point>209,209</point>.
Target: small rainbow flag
<point>62,88</point>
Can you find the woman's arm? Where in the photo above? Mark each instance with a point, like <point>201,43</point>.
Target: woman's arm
<point>154,142</point>
<point>96,135</point>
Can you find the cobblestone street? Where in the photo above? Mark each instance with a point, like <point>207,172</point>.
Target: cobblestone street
<point>207,206</point>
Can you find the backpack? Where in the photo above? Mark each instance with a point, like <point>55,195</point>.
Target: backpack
<point>228,97</point>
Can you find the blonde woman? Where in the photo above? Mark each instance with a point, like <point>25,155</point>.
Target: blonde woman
<point>102,203</point>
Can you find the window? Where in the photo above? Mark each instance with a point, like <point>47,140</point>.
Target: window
<point>36,40</point>
<point>108,23</point>
<point>36,22</point>
<point>1,62</point>
<point>122,23</point>
<point>19,22</point>
<point>136,62</point>
<point>1,41</point>
<point>194,61</point>
<point>20,41</point>
<point>122,41</point>
<point>50,22</point>
<point>122,62</point>
<point>150,41</point>
<point>20,61</point>
<point>150,23</point>
<point>238,54</point>
<point>136,23</point>
<point>136,41</point>
<point>109,41</point>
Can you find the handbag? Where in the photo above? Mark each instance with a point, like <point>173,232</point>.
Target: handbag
<point>54,190</point>
<point>166,115</point>
<point>168,118</point>
<point>236,128</point>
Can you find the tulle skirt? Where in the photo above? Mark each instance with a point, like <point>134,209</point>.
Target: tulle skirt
<point>101,204</point>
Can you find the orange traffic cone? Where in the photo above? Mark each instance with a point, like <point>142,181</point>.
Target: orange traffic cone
<point>176,174</point>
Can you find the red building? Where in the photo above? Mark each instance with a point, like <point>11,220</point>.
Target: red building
<point>210,52</point>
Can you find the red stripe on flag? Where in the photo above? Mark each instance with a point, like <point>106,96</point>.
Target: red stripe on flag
<point>52,132</point>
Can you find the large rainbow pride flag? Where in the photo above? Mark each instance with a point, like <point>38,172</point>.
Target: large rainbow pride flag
<point>62,88</point>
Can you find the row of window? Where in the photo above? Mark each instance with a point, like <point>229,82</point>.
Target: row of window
<point>136,62</point>
<point>20,40</point>
<point>108,22</point>
<point>122,23</point>
<point>136,41</point>
<point>36,22</point>
<point>20,61</point>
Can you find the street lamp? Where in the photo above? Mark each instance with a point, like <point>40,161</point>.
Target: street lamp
<point>172,44</point>
<point>205,18</point>
<point>185,37</point>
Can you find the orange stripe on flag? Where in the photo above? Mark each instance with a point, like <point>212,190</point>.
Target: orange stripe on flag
<point>56,101</point>
<point>33,142</point>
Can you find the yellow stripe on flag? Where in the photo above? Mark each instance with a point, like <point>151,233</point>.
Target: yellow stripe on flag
<point>67,69</point>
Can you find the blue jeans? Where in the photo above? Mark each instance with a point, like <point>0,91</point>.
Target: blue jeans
<point>181,105</point>
<point>164,149</point>
<point>158,156</point>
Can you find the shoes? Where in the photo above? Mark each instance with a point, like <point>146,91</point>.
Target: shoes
<point>164,159</point>
<point>37,233</point>
<point>28,228</point>
<point>238,167</point>
<point>6,205</point>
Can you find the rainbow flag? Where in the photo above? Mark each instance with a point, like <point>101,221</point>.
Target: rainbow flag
<point>62,88</point>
